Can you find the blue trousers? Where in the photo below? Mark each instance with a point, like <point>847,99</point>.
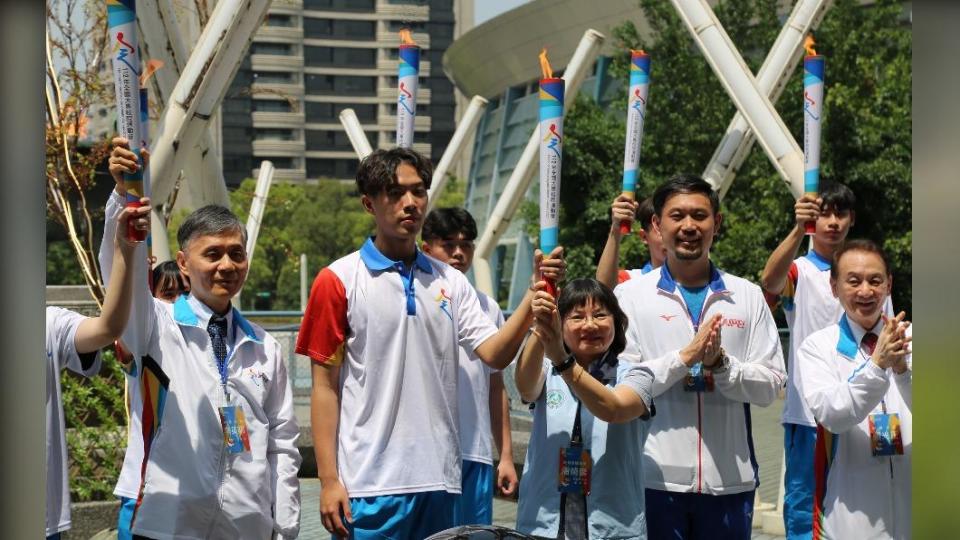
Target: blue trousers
<point>475,505</point>
<point>799,443</point>
<point>412,515</point>
<point>697,516</point>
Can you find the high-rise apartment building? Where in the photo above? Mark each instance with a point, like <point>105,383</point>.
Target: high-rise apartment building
<point>313,58</point>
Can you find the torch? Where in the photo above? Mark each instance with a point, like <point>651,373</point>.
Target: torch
<point>636,112</point>
<point>812,113</point>
<point>551,152</point>
<point>148,71</point>
<point>407,82</point>
<point>122,22</point>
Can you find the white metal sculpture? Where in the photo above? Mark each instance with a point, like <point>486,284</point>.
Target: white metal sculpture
<point>466,125</point>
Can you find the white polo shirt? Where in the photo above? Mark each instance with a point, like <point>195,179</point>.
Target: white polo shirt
<point>396,339</point>
<point>473,384</point>
<point>701,442</point>
<point>865,496</point>
<point>61,348</point>
<point>808,305</point>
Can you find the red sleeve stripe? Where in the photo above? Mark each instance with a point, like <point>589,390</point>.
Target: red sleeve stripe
<point>324,329</point>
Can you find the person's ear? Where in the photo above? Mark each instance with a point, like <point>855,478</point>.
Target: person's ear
<point>717,222</point>
<point>367,203</point>
<point>425,247</point>
<point>833,287</point>
<point>643,237</point>
<point>182,263</point>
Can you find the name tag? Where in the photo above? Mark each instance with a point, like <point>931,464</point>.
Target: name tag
<point>234,424</point>
<point>575,468</point>
<point>885,439</point>
<point>698,380</point>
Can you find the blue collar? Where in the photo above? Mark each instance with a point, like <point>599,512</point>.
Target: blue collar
<point>646,268</point>
<point>184,314</point>
<point>818,261</point>
<point>668,284</point>
<point>379,262</point>
<point>851,334</point>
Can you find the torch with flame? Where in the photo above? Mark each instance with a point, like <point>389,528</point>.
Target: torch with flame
<point>407,81</point>
<point>812,113</point>
<point>551,152</point>
<point>152,66</point>
<point>122,23</point>
<point>636,112</point>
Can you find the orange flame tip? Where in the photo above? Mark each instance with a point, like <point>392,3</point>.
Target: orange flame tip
<point>545,68</point>
<point>152,66</point>
<point>406,38</point>
<point>808,44</point>
<point>635,51</point>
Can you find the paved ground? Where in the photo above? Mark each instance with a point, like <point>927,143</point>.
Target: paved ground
<point>768,442</point>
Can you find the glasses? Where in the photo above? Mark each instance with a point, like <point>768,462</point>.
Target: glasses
<point>577,320</point>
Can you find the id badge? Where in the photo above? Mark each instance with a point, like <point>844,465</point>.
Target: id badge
<point>234,424</point>
<point>698,380</point>
<point>575,468</point>
<point>885,439</point>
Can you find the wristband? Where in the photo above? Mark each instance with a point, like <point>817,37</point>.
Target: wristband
<point>565,365</point>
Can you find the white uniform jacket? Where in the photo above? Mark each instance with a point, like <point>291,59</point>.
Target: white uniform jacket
<point>701,442</point>
<point>193,487</point>
<point>858,495</point>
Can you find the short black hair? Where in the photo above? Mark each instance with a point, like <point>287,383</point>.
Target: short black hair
<point>859,244</point>
<point>578,292</point>
<point>379,169</point>
<point>166,273</point>
<point>645,213</point>
<point>210,220</point>
<point>838,196</point>
<point>684,183</point>
<point>448,222</point>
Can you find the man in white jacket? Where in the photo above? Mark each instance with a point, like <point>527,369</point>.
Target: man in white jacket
<point>856,377</point>
<point>220,459</point>
<point>699,464</point>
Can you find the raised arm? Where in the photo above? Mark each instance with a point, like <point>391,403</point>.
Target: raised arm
<point>500,349</point>
<point>774,276</point>
<point>623,210</point>
<point>98,332</point>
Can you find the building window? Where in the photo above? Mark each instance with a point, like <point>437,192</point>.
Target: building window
<point>273,134</point>
<point>274,19</point>
<point>338,29</point>
<point>396,26</point>
<point>279,49</point>
<point>330,112</point>
<point>271,105</point>
<point>272,77</point>
<point>347,57</point>
<point>331,141</point>
<point>341,85</point>
<point>331,168</point>
<point>340,5</point>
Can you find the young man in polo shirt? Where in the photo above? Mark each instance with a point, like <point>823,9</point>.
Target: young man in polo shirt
<point>802,286</point>
<point>856,376</point>
<point>699,464</point>
<point>383,327</point>
<point>448,235</point>
<point>623,210</point>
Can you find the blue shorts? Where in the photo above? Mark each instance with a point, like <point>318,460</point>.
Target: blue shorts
<point>412,515</point>
<point>475,506</point>
<point>799,444</point>
<point>698,516</point>
<point>125,518</point>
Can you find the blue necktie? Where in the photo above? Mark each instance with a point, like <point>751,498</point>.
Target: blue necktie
<point>218,334</point>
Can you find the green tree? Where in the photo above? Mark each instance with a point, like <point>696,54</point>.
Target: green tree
<point>866,137</point>
<point>325,221</point>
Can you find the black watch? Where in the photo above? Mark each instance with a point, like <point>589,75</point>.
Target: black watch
<point>565,365</point>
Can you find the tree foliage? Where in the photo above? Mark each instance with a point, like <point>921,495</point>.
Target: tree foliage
<point>866,135</point>
<point>325,221</point>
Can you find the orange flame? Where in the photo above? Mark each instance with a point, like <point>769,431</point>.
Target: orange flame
<point>641,51</point>
<point>808,44</point>
<point>152,66</point>
<point>545,68</point>
<point>406,38</point>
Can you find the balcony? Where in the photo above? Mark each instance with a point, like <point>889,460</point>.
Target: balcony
<point>393,39</point>
<point>331,154</point>
<point>278,119</point>
<point>288,34</point>
<point>386,123</point>
<point>267,147</point>
<point>285,175</point>
<point>277,89</point>
<point>408,12</point>
<point>389,67</point>
<point>286,7</point>
<point>275,61</point>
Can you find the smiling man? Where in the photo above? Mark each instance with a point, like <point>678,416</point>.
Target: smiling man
<point>219,456</point>
<point>856,375</point>
<point>383,327</point>
<point>699,464</point>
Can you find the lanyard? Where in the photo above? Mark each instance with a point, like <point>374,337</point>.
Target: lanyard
<point>576,438</point>
<point>222,365</point>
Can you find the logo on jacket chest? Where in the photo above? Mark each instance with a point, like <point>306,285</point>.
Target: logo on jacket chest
<point>443,300</point>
